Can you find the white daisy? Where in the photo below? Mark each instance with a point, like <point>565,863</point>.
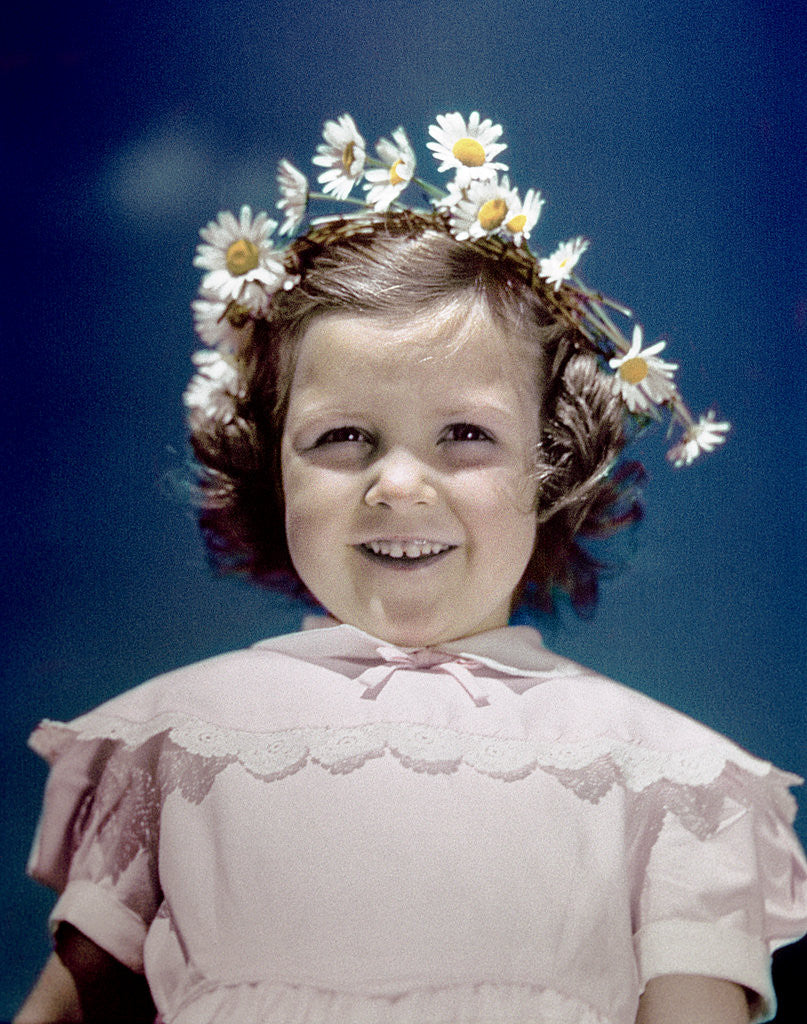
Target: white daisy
<point>385,184</point>
<point>241,261</point>
<point>523,216</point>
<point>293,186</point>
<point>219,324</point>
<point>642,379</point>
<point>343,153</point>
<point>454,195</point>
<point>211,391</point>
<point>559,266</point>
<point>468,148</point>
<point>703,436</point>
<point>482,210</point>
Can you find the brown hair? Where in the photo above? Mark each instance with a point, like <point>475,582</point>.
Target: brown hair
<point>391,265</point>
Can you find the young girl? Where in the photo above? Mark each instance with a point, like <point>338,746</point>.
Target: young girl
<point>412,813</point>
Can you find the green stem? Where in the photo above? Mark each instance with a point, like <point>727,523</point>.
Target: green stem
<point>430,190</point>
<point>333,199</point>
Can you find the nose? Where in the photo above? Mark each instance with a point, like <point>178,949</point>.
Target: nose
<point>399,479</point>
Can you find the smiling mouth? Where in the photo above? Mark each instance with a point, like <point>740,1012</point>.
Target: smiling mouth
<point>404,553</point>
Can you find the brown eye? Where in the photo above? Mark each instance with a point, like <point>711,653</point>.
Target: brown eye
<point>466,432</point>
<point>342,435</point>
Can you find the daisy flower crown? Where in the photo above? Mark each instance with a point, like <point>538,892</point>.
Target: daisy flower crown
<point>245,267</point>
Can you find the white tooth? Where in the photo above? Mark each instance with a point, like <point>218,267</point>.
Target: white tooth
<point>412,550</point>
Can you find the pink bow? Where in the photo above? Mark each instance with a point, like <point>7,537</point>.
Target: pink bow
<point>374,679</point>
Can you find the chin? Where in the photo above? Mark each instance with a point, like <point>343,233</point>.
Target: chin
<point>417,631</point>
<point>402,632</point>
<point>415,637</point>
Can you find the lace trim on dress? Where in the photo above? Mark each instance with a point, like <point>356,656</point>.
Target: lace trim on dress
<point>193,753</point>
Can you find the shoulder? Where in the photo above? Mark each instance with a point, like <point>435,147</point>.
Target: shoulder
<point>581,717</point>
<point>649,732</point>
<point>231,690</point>
<point>213,683</point>
<point>581,702</point>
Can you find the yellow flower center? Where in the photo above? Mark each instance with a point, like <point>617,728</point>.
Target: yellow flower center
<point>347,157</point>
<point>517,223</point>
<point>394,177</point>
<point>242,256</point>
<point>634,370</point>
<point>492,214</point>
<point>469,152</point>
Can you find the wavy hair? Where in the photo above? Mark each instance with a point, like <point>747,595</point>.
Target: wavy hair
<point>390,266</point>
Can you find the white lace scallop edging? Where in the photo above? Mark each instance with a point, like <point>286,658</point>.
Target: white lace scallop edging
<point>601,761</point>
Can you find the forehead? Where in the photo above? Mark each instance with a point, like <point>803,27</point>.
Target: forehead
<point>431,348</point>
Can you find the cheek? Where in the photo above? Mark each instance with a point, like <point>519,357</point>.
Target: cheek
<point>295,531</point>
<point>307,544</point>
<point>314,513</point>
<point>524,497</point>
<point>299,509</point>
<point>509,498</point>
<point>305,518</point>
<point>510,522</point>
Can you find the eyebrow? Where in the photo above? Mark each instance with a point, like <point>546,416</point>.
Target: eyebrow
<point>315,399</point>
<point>477,406</point>
<point>454,412</point>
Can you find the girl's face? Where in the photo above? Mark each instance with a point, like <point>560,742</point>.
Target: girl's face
<point>407,455</point>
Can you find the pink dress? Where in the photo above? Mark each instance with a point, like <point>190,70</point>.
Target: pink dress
<point>325,829</point>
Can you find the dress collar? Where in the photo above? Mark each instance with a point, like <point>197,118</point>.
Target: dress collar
<point>514,654</point>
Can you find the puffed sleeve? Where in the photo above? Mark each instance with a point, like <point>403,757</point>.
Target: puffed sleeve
<point>717,899</point>
<point>96,843</point>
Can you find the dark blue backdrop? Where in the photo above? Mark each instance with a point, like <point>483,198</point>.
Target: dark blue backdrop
<point>672,134</point>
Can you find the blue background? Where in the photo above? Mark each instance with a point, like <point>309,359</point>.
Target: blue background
<point>671,134</point>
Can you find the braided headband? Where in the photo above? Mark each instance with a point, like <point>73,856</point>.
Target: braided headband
<point>245,268</point>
